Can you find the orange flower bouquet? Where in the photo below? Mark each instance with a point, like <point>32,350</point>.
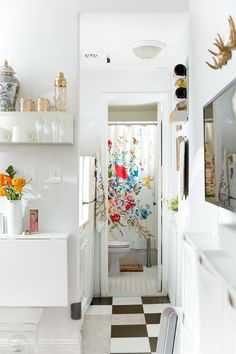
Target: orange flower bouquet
<point>10,186</point>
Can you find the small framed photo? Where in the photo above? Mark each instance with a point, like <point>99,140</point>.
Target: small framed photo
<point>34,219</point>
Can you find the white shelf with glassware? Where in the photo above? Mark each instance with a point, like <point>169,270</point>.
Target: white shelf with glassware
<point>36,128</point>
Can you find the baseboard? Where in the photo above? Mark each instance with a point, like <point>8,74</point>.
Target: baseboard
<point>44,342</point>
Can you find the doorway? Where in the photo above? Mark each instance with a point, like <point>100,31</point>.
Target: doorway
<point>122,139</point>
<point>132,199</point>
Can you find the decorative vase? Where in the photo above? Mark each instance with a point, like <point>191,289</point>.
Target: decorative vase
<point>9,88</point>
<point>14,217</point>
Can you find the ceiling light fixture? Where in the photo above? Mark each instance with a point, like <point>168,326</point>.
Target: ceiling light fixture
<point>147,49</point>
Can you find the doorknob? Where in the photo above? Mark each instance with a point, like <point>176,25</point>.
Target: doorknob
<point>154,203</point>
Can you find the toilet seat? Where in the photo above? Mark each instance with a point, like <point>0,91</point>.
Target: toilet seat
<point>116,250</point>
<point>118,244</point>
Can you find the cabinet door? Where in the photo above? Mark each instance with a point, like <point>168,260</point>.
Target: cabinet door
<point>172,264</point>
<point>189,343</point>
<point>190,289</point>
<point>87,270</point>
<point>229,338</point>
<point>81,271</point>
<point>33,272</point>
<point>210,310</point>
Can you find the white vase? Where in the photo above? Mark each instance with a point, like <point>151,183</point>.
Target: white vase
<point>14,217</point>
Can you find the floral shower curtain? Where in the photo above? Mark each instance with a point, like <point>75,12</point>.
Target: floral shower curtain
<point>132,183</point>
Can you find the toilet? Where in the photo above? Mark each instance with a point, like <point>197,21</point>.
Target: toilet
<point>116,250</point>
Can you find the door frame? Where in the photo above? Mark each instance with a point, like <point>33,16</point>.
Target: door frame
<point>163,107</point>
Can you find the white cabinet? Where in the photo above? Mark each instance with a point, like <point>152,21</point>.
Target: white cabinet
<point>189,343</point>
<point>34,270</point>
<point>86,265</point>
<point>209,302</point>
<point>172,261</point>
<point>210,309</point>
<point>229,338</point>
<point>202,302</point>
<point>191,289</point>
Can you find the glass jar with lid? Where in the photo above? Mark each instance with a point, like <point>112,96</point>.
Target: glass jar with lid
<point>9,88</point>
<point>60,92</point>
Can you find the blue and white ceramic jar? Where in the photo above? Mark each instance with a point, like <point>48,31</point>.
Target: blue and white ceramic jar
<point>9,88</point>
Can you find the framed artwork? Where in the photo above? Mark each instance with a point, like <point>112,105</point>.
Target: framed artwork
<point>184,168</point>
<point>179,139</point>
<point>34,217</point>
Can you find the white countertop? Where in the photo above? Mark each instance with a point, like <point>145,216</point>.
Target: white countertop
<point>218,261</point>
<point>37,236</point>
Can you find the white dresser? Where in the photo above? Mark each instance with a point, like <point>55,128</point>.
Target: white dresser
<point>34,270</point>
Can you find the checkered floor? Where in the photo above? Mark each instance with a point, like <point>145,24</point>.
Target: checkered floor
<point>132,324</point>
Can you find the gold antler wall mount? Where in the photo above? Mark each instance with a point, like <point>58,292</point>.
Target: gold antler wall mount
<point>225,50</point>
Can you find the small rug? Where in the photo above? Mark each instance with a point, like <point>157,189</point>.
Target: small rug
<point>131,267</point>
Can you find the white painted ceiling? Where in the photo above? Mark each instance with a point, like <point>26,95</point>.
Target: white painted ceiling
<point>112,34</point>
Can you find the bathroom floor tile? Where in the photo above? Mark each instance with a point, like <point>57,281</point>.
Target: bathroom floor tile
<point>102,301</point>
<point>153,344</point>
<point>123,309</point>
<point>128,331</point>
<point>154,308</point>
<point>155,299</point>
<point>130,345</point>
<point>127,300</point>
<point>122,325</point>
<point>153,330</point>
<point>100,310</point>
<point>153,318</point>
<point>134,283</point>
<point>128,319</point>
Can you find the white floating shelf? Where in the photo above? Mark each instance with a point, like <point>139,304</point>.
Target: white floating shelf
<point>27,120</point>
<point>179,117</point>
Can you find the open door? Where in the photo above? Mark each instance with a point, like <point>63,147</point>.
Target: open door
<point>159,195</point>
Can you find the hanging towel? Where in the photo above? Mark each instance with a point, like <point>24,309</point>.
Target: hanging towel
<point>101,210</point>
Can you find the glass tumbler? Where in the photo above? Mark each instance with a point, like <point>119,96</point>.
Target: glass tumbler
<point>47,130</point>
<point>39,129</point>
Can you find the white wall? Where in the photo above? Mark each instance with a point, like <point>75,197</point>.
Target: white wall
<point>95,83</point>
<point>204,84</point>
<point>40,38</point>
<point>207,18</point>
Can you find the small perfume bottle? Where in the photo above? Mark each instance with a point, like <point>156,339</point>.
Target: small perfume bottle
<point>60,92</point>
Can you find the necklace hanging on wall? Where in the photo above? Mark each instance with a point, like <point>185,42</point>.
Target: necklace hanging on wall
<point>225,50</point>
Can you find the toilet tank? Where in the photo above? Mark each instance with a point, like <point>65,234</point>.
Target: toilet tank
<point>34,270</point>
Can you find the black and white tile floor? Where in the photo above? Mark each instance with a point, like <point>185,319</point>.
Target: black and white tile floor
<point>132,324</point>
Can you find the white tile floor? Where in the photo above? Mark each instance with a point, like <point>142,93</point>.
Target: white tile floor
<point>100,310</point>
<point>117,325</point>
<point>128,319</point>
<point>127,300</point>
<point>130,345</point>
<point>154,308</point>
<point>134,283</point>
<point>153,330</point>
